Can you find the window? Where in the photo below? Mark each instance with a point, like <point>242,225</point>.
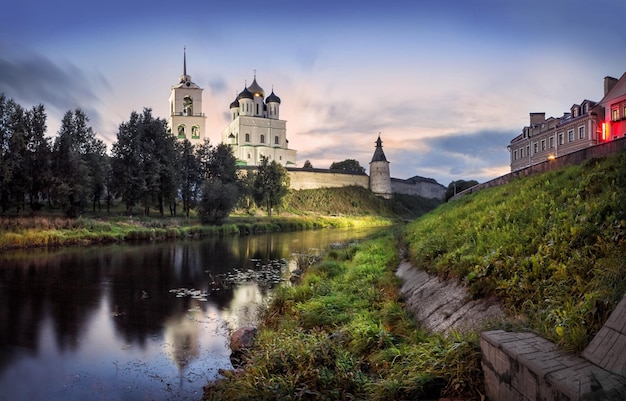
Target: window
<point>551,142</point>
<point>615,114</point>
<point>195,132</point>
<point>581,132</point>
<point>187,106</point>
<point>521,152</point>
<point>527,150</point>
<point>543,144</point>
<point>624,113</point>
<point>561,139</point>
<point>570,135</point>
<point>247,137</point>
<point>257,108</point>
<point>262,138</point>
<point>515,155</point>
<point>535,147</point>
<point>276,140</point>
<point>181,131</point>
<point>248,155</point>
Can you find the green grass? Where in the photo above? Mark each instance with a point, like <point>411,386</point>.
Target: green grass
<point>342,334</point>
<point>552,247</point>
<point>354,200</point>
<point>343,208</point>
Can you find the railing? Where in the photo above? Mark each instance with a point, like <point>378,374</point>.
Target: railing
<point>189,115</point>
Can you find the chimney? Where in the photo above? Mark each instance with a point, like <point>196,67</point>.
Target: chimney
<point>609,83</point>
<point>537,118</point>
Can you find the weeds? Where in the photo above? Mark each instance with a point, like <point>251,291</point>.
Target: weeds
<point>342,334</point>
<point>551,247</point>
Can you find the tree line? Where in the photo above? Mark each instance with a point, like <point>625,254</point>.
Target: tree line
<point>147,169</point>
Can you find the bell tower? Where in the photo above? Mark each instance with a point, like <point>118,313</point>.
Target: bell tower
<point>187,121</point>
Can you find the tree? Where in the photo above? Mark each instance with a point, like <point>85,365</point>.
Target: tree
<point>190,175</point>
<point>128,181</point>
<point>221,188</point>
<point>76,155</point>
<point>39,157</point>
<point>457,186</point>
<point>24,155</point>
<point>5,138</point>
<point>17,158</point>
<point>271,184</point>
<point>307,164</point>
<point>144,163</point>
<point>350,165</point>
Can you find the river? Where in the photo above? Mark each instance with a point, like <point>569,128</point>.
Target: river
<point>137,322</point>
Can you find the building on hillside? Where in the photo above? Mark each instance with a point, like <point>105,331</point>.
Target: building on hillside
<point>586,124</point>
<point>380,177</point>
<point>256,130</point>
<point>187,121</point>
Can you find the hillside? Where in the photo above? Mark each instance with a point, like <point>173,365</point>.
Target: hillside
<point>357,201</point>
<point>551,247</point>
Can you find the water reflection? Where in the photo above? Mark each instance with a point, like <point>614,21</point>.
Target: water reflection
<point>103,323</point>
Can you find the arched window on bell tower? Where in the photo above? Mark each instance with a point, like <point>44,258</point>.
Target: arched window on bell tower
<point>181,131</point>
<point>187,106</point>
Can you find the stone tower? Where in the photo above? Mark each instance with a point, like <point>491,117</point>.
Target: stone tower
<point>256,130</point>
<point>187,121</point>
<point>380,178</point>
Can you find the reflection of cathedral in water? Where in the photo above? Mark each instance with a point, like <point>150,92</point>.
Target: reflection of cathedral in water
<point>182,337</point>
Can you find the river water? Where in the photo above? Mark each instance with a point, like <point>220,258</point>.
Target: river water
<point>137,322</point>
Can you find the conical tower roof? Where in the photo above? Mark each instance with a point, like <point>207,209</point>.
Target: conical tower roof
<point>379,155</point>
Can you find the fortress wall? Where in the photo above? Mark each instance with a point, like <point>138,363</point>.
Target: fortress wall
<point>321,178</point>
<point>318,178</point>
<point>423,189</point>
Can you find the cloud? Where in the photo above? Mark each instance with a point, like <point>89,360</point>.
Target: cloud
<point>36,79</point>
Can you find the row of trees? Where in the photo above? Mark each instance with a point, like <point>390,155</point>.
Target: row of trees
<point>147,168</point>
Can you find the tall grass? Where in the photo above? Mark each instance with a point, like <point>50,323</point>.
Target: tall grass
<point>342,334</point>
<point>552,247</point>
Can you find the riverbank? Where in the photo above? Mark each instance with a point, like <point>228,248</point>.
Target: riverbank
<point>58,231</point>
<point>344,333</point>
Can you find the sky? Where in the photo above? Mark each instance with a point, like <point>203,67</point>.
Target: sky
<point>447,85</point>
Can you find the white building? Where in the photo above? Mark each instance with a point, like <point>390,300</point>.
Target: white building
<point>256,130</point>
<point>187,121</point>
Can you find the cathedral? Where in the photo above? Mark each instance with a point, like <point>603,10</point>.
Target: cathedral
<point>256,130</point>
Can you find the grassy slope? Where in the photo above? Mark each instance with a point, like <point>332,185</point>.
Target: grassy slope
<point>552,247</point>
<point>356,201</point>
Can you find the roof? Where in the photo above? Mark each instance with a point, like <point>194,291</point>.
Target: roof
<point>379,155</point>
<point>272,98</point>
<point>245,94</point>
<point>255,89</point>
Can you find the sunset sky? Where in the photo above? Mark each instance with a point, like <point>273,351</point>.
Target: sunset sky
<point>447,84</point>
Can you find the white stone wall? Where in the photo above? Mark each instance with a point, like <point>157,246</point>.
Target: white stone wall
<point>423,189</point>
<point>313,179</point>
